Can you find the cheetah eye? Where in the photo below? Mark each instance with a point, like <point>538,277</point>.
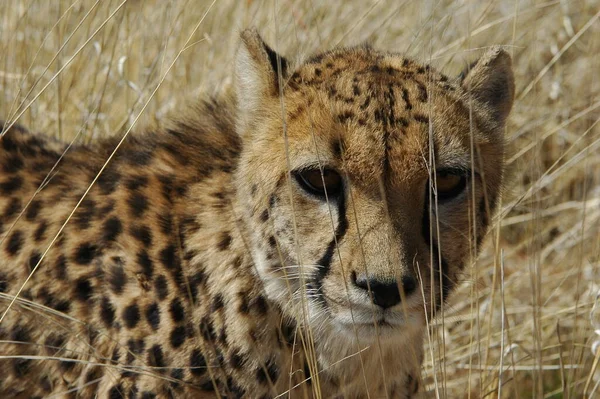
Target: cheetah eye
<point>317,182</point>
<point>449,184</point>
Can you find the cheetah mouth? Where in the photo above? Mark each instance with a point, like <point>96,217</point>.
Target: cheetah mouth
<point>380,320</point>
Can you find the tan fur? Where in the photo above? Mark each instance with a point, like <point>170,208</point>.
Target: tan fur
<point>197,264</point>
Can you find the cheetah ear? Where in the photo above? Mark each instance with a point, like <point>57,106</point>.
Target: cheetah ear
<point>257,72</point>
<point>490,80</point>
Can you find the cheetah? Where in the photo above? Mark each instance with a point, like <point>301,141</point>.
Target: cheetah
<point>291,237</point>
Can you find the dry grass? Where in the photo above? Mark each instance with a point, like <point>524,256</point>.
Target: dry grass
<point>71,66</point>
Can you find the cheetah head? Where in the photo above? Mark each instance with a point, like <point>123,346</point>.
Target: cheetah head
<point>367,180</point>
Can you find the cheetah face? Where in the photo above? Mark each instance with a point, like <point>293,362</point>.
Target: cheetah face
<point>367,181</point>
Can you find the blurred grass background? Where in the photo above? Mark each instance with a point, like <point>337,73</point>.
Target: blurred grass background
<point>519,325</point>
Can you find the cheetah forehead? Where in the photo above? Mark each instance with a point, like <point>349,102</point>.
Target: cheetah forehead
<point>376,108</point>
<point>362,63</point>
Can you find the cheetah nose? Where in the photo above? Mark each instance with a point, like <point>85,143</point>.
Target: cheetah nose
<point>386,293</point>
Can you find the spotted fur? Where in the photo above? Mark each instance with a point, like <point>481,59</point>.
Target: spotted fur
<point>196,265</point>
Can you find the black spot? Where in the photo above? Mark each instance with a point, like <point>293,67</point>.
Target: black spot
<point>181,190</point>
<point>208,386</point>
<point>269,373</point>
<point>33,210</point>
<point>142,234</point>
<point>20,334</point>
<point>234,388</point>
<point>105,209</point>
<point>244,307</point>
<point>54,343</point>
<point>94,375</point>
<point>107,312</point>
<point>403,122</point>
<point>116,392</point>
<point>148,395</point>
<point>273,200</point>
<point>197,363</point>
<point>421,118</point>
<point>85,253</point>
<point>61,306</point>
<point>236,360</point>
<point>131,315</point>
<point>117,278</point>
<point>146,263</point>
<point>136,182</point>
<point>85,213</point>
<point>108,181</point>
<point>34,259</point>
<point>165,222</point>
<point>111,229</point>
<point>178,336</point>
<point>14,243</point>
<point>176,374</point>
<point>3,283</point>
<point>272,242</point>
<point>136,346</point>
<point>116,355</point>
<point>7,142</point>
<point>138,204</point>
<point>67,365</point>
<point>195,281</point>
<point>406,99</point>
<point>12,209</point>
<point>40,232</point>
<point>261,305</point>
<point>177,311</point>
<point>140,157</point>
<point>217,303</point>
<point>161,287</point>
<point>153,315</point>
<point>167,186</point>
<point>21,367</point>
<point>264,216</point>
<point>46,384</point>
<point>366,103</point>
<point>344,116</point>
<point>168,257</point>
<point>224,241</point>
<point>11,185</point>
<point>12,164</point>
<point>83,289</point>
<point>207,330</point>
<point>237,262</point>
<point>61,268</point>
<point>156,357</point>
<point>422,92</point>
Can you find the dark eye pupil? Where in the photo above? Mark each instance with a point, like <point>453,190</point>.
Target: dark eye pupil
<point>325,183</point>
<point>449,185</point>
